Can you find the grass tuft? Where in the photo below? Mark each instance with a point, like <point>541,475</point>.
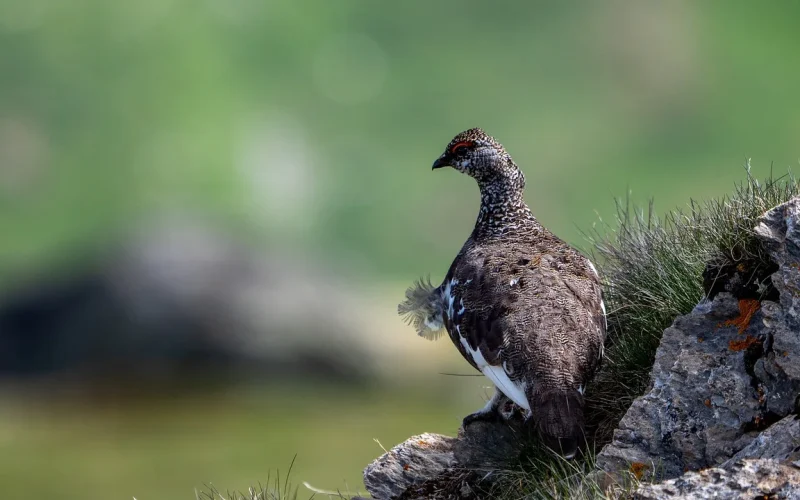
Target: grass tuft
<point>274,489</point>
<point>543,475</point>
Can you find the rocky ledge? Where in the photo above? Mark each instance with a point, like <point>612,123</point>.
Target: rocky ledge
<point>437,466</point>
<point>724,393</point>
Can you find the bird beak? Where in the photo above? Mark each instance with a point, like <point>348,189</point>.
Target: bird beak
<point>440,162</point>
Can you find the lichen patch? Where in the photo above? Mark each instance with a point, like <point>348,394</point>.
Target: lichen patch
<point>742,345</point>
<point>747,308</point>
<point>638,469</point>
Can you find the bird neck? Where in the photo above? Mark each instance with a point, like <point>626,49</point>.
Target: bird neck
<point>503,209</point>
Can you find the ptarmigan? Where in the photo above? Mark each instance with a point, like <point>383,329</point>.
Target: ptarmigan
<point>520,304</point>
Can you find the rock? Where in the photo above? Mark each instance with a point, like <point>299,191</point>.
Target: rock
<point>410,463</point>
<point>760,478</point>
<point>779,229</point>
<point>433,466</point>
<point>781,442</point>
<point>701,401</point>
<point>722,373</point>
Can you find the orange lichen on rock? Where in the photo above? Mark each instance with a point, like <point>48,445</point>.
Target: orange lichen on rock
<point>638,468</point>
<point>747,308</point>
<point>742,345</point>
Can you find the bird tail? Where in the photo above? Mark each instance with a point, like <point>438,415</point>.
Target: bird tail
<point>558,417</point>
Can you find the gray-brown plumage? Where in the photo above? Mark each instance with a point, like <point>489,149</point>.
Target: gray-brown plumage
<point>521,305</point>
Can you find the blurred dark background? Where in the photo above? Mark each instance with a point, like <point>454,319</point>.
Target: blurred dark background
<point>209,209</point>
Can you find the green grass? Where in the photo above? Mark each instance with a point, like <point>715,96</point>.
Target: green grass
<point>168,449</point>
<point>544,475</point>
<point>652,268</point>
<point>274,488</point>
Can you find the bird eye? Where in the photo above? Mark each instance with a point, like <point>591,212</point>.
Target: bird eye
<point>461,148</point>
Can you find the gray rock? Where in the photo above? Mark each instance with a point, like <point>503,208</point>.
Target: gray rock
<point>701,401</point>
<point>779,229</point>
<point>410,463</point>
<point>719,380</point>
<point>760,478</point>
<point>433,466</point>
<point>781,442</point>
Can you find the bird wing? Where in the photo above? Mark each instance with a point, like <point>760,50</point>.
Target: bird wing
<point>525,316</point>
<point>556,332</point>
<point>475,322</point>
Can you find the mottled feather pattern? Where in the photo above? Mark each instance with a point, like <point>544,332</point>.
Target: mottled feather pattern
<point>520,304</point>
<point>422,309</point>
<point>529,304</point>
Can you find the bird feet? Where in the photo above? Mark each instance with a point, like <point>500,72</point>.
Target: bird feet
<point>497,408</point>
<point>509,409</point>
<point>484,415</point>
<point>488,413</point>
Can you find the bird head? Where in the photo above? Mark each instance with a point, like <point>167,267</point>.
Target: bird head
<point>477,154</point>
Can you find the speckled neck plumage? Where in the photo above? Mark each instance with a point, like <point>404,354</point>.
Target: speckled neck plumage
<point>503,209</point>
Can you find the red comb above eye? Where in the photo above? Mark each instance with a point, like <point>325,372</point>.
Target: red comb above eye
<point>457,145</point>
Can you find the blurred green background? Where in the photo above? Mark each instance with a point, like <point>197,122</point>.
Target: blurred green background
<point>262,169</point>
